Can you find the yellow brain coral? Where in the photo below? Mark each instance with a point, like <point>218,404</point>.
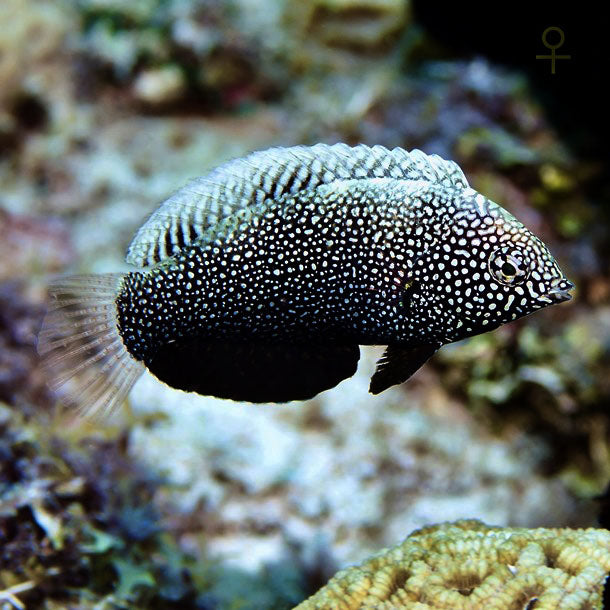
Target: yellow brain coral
<point>469,565</point>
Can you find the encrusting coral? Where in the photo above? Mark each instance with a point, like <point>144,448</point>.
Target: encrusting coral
<point>468,564</point>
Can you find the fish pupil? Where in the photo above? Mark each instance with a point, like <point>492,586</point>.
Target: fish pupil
<point>508,269</point>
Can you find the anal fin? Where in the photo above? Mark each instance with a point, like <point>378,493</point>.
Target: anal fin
<point>254,372</point>
<point>398,364</point>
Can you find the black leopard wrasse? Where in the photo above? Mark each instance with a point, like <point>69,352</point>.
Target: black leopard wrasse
<point>259,281</point>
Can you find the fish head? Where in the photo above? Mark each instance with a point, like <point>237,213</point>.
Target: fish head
<point>497,270</point>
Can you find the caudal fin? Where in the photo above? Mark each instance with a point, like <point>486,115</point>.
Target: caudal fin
<point>80,345</point>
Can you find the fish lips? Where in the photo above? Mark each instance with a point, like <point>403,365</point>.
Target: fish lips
<point>560,293</point>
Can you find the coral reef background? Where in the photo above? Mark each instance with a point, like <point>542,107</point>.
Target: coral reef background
<point>182,501</point>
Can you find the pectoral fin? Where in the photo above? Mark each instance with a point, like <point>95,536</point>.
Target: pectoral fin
<point>398,364</point>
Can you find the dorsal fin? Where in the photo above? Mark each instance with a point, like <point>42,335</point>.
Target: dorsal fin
<point>190,212</point>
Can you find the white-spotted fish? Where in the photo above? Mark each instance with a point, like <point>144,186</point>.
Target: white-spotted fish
<point>259,281</point>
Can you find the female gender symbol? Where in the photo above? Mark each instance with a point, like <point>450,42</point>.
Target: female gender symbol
<point>552,47</point>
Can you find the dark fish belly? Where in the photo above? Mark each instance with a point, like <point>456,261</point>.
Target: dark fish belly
<point>254,372</point>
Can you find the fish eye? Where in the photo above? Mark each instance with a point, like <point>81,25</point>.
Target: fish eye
<point>507,266</point>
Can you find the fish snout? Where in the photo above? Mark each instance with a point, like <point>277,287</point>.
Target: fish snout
<point>560,291</point>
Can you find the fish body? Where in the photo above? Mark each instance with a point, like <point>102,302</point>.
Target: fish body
<point>261,279</point>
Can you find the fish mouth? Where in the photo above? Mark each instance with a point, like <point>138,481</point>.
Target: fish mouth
<point>561,292</point>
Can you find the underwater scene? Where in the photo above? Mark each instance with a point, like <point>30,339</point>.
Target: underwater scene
<point>303,304</point>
